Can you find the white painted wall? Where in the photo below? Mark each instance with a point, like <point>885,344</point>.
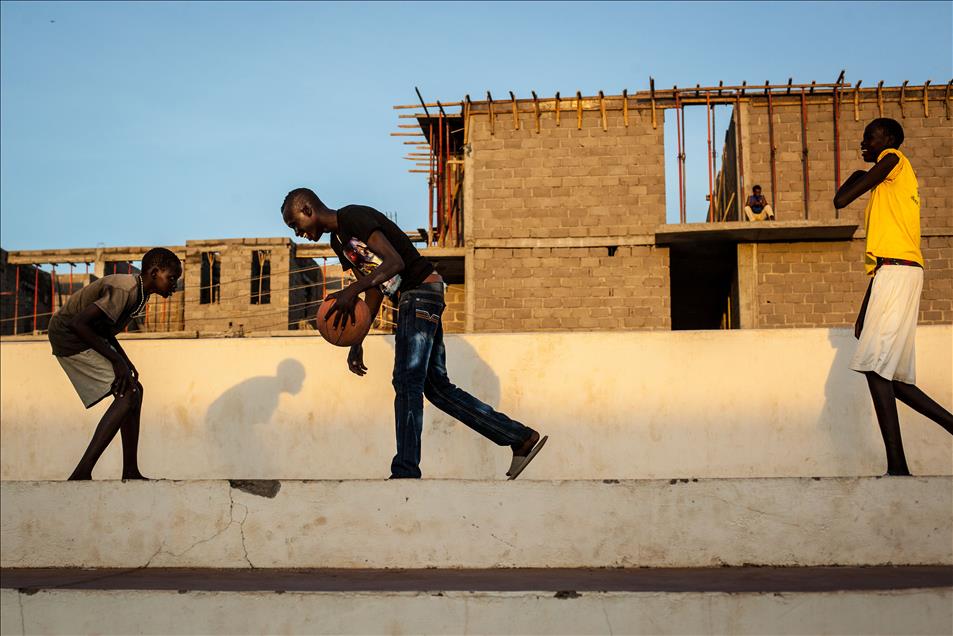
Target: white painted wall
<point>71,612</point>
<point>480,524</point>
<point>624,405</point>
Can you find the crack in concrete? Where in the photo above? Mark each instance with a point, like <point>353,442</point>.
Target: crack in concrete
<point>241,525</point>
<point>231,520</point>
<point>22,619</point>
<point>602,604</point>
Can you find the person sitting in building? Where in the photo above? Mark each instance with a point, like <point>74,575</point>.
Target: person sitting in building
<point>757,207</point>
<point>83,336</point>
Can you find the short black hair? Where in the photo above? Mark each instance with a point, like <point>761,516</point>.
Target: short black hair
<point>162,258</point>
<point>890,127</point>
<point>757,187</point>
<point>301,194</point>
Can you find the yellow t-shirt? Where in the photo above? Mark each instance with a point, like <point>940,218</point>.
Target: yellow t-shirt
<point>892,217</point>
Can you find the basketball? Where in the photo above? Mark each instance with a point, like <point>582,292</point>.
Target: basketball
<point>346,334</point>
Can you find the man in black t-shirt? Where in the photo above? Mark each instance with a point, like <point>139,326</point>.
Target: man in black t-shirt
<point>384,261</point>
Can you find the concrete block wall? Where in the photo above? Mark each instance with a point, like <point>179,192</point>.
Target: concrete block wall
<point>235,311</point>
<point>573,191</point>
<point>455,315</point>
<point>822,284</point>
<point>565,181</point>
<point>928,144</point>
<point>581,288</point>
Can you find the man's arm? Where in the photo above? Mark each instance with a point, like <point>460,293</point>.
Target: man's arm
<point>355,357</point>
<point>860,182</point>
<point>83,326</point>
<point>391,265</point>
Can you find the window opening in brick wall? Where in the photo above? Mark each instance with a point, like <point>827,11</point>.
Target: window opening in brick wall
<point>210,291</point>
<point>697,157</point>
<point>704,292</point>
<point>261,277</point>
<point>613,249</point>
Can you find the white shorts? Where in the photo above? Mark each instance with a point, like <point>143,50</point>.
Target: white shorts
<point>887,342</point>
<point>91,374</point>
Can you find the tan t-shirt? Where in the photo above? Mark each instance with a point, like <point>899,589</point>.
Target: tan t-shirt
<point>116,295</point>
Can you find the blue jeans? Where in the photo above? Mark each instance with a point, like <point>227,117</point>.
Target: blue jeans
<point>420,369</point>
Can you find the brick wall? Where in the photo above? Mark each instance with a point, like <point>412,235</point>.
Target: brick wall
<point>822,284</point>
<point>235,312</point>
<point>564,181</point>
<point>454,316</point>
<point>928,145</point>
<point>571,288</point>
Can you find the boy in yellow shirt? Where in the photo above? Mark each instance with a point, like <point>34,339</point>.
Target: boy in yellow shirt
<point>887,323</point>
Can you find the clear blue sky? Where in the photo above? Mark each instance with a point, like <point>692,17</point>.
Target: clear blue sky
<point>140,123</point>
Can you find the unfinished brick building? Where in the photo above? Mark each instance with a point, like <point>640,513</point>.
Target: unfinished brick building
<point>557,206</point>
<point>550,214</point>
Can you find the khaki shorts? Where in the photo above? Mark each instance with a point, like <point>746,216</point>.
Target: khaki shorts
<point>91,374</point>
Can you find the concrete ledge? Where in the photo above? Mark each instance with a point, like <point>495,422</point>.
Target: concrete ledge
<point>460,524</point>
<point>756,232</point>
<point>439,613</point>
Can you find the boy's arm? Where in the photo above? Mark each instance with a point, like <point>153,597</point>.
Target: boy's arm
<point>82,325</point>
<point>860,182</point>
<point>391,265</point>
<point>355,357</point>
<point>111,339</point>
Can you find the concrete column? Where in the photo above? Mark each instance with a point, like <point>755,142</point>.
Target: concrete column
<point>748,285</point>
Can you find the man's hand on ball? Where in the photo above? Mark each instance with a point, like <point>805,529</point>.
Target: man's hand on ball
<point>343,308</point>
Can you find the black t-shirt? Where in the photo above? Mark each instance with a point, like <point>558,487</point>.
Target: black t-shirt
<point>356,223</point>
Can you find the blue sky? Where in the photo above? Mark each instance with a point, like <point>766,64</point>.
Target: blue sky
<point>142,123</point>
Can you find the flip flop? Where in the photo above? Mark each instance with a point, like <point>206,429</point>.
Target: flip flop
<point>519,462</point>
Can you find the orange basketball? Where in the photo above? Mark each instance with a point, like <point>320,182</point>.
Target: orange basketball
<point>346,334</point>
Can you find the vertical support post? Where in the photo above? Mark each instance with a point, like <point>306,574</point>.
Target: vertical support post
<point>880,98</point>
<point>741,157</point>
<point>557,109</point>
<point>625,107</point>
<point>774,150</point>
<point>805,165</point>
<point>678,155</point>
<point>536,110</point>
<point>489,103</point>
<point>837,180</point>
<point>903,96</point>
<point>578,110</point>
<point>857,101</point>
<point>602,112</point>
<point>447,173</point>
<point>36,291</point>
<point>440,171</point>
<point>708,159</point>
<point>926,98</point>
<point>946,100</point>
<point>16,302</point>
<point>652,92</point>
<point>324,274</point>
<point>430,187</point>
<point>53,290</point>
<point>516,114</point>
<point>466,120</point>
<point>70,279</point>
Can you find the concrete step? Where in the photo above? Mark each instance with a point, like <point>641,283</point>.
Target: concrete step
<point>616,405</point>
<point>469,524</point>
<point>895,600</point>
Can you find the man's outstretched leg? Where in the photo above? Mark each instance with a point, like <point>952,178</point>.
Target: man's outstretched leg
<point>885,406</point>
<point>481,417</point>
<point>920,402</point>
